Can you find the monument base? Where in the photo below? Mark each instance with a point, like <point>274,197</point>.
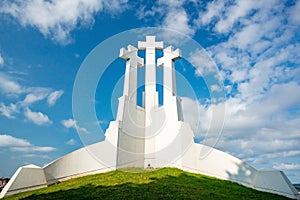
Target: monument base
<point>192,157</point>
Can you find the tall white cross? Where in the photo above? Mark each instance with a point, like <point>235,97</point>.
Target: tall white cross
<point>167,61</point>
<point>150,95</point>
<point>130,80</point>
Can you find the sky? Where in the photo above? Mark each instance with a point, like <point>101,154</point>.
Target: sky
<point>254,46</point>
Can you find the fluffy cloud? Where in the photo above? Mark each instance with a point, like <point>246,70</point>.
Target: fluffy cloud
<point>202,62</point>
<point>213,10</point>
<point>171,15</point>
<point>56,19</point>
<point>37,117</point>
<point>259,64</point>
<point>35,95</point>
<point>71,123</point>
<point>12,90</point>
<point>21,145</point>
<point>8,86</point>
<point>252,130</point>
<point>8,141</point>
<point>71,142</point>
<point>177,19</point>
<point>232,14</point>
<point>8,111</point>
<point>294,14</point>
<point>54,96</point>
<point>287,166</point>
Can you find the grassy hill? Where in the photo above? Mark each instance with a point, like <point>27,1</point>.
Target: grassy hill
<point>165,183</point>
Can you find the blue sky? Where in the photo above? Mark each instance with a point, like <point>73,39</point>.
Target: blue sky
<point>255,45</point>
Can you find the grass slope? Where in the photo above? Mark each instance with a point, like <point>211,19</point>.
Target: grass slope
<point>165,183</point>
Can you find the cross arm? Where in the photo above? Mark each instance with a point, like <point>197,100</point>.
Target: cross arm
<point>169,54</point>
<point>150,43</point>
<point>130,54</point>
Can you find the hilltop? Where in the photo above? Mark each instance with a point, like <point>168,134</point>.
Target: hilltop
<point>165,183</point>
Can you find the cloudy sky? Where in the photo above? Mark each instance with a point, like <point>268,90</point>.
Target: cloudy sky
<point>255,45</point>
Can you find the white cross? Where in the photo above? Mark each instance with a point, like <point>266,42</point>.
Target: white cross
<point>130,79</point>
<point>130,55</point>
<point>150,43</point>
<point>167,61</point>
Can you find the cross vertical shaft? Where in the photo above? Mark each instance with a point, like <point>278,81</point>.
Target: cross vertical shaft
<point>150,45</point>
<point>130,80</point>
<point>167,61</point>
<point>150,95</point>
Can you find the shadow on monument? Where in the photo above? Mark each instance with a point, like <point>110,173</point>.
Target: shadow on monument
<point>170,184</point>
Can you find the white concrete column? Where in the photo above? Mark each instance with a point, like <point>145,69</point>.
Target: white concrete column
<point>130,79</point>
<point>150,96</point>
<point>169,79</point>
<point>150,45</point>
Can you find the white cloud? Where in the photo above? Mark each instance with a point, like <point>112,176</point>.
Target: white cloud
<point>32,149</point>
<point>36,156</point>
<point>8,86</point>
<point>9,141</point>
<point>37,117</point>
<point>249,35</point>
<point>1,60</point>
<point>21,145</point>
<point>287,166</point>
<point>213,10</point>
<point>54,96</point>
<point>35,94</point>
<point>233,12</point>
<point>177,19</point>
<point>277,155</point>
<point>205,120</point>
<point>191,114</point>
<point>260,50</point>
<point>202,62</point>
<point>294,14</point>
<point>251,128</point>
<point>71,123</point>
<point>8,111</point>
<point>77,55</point>
<point>13,91</point>
<point>56,19</point>
<point>171,15</point>
<point>100,122</point>
<point>215,88</point>
<point>71,142</point>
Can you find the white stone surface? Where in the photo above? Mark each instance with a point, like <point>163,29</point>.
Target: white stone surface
<point>151,100</point>
<point>130,80</point>
<point>26,178</point>
<point>224,166</point>
<point>167,62</point>
<point>150,135</point>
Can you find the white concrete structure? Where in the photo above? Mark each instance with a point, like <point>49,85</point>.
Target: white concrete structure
<point>26,177</point>
<point>149,136</point>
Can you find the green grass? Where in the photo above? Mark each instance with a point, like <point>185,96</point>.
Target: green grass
<point>165,183</point>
